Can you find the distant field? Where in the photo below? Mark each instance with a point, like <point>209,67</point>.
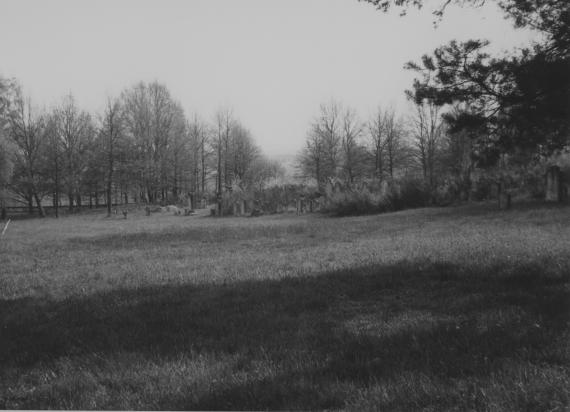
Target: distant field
<point>462,308</point>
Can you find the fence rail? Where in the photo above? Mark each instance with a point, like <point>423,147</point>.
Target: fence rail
<point>23,211</point>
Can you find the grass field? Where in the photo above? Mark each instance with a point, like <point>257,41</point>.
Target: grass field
<point>462,308</point>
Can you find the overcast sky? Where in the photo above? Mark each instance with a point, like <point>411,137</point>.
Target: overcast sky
<point>274,62</point>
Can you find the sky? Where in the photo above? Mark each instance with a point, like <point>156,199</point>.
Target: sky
<point>272,61</point>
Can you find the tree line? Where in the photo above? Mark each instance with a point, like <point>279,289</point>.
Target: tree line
<point>499,119</point>
<point>141,148</point>
<point>473,115</point>
<point>341,146</point>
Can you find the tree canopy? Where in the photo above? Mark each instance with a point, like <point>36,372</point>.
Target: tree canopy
<point>513,103</point>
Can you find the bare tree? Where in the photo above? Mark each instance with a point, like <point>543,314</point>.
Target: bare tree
<point>199,135</point>
<point>75,130</point>
<point>394,143</point>
<point>163,113</point>
<point>6,169</point>
<point>321,157</point>
<point>178,152</point>
<point>8,89</point>
<point>224,121</point>
<point>138,128</point>
<point>54,157</point>
<point>351,131</point>
<point>457,155</point>
<point>328,127</point>
<point>377,133</point>
<point>427,131</point>
<point>111,132</point>
<point>153,122</point>
<point>311,158</point>
<point>227,129</point>
<point>244,153</point>
<point>262,171</point>
<point>26,129</point>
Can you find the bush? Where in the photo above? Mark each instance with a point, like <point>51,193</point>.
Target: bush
<point>482,187</point>
<point>409,193</point>
<point>354,202</point>
<point>404,194</point>
<point>447,192</point>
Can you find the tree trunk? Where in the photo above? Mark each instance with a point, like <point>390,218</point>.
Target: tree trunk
<point>378,164</point>
<point>219,191</point>
<point>109,198</point>
<point>30,200</point>
<point>56,193</point>
<point>56,202</point>
<point>318,173</point>
<point>40,207</point>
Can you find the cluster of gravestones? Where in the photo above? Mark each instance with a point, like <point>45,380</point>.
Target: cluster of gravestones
<point>277,200</point>
<point>125,212</point>
<point>178,211</point>
<point>308,204</point>
<point>555,183</point>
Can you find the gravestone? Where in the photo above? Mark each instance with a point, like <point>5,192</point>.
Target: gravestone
<point>301,205</point>
<point>504,201</point>
<point>503,196</point>
<point>384,189</point>
<point>553,185</point>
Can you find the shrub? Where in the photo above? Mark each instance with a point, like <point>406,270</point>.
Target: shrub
<point>403,194</point>
<point>354,202</point>
<point>409,193</point>
<point>446,192</point>
<point>482,187</point>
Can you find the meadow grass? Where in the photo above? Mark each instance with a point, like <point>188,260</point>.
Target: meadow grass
<point>464,308</point>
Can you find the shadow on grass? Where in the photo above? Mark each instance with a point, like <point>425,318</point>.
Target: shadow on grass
<point>328,336</point>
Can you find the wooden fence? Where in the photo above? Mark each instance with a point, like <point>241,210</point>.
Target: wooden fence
<point>24,211</point>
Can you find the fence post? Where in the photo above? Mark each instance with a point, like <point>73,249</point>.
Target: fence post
<point>5,227</point>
